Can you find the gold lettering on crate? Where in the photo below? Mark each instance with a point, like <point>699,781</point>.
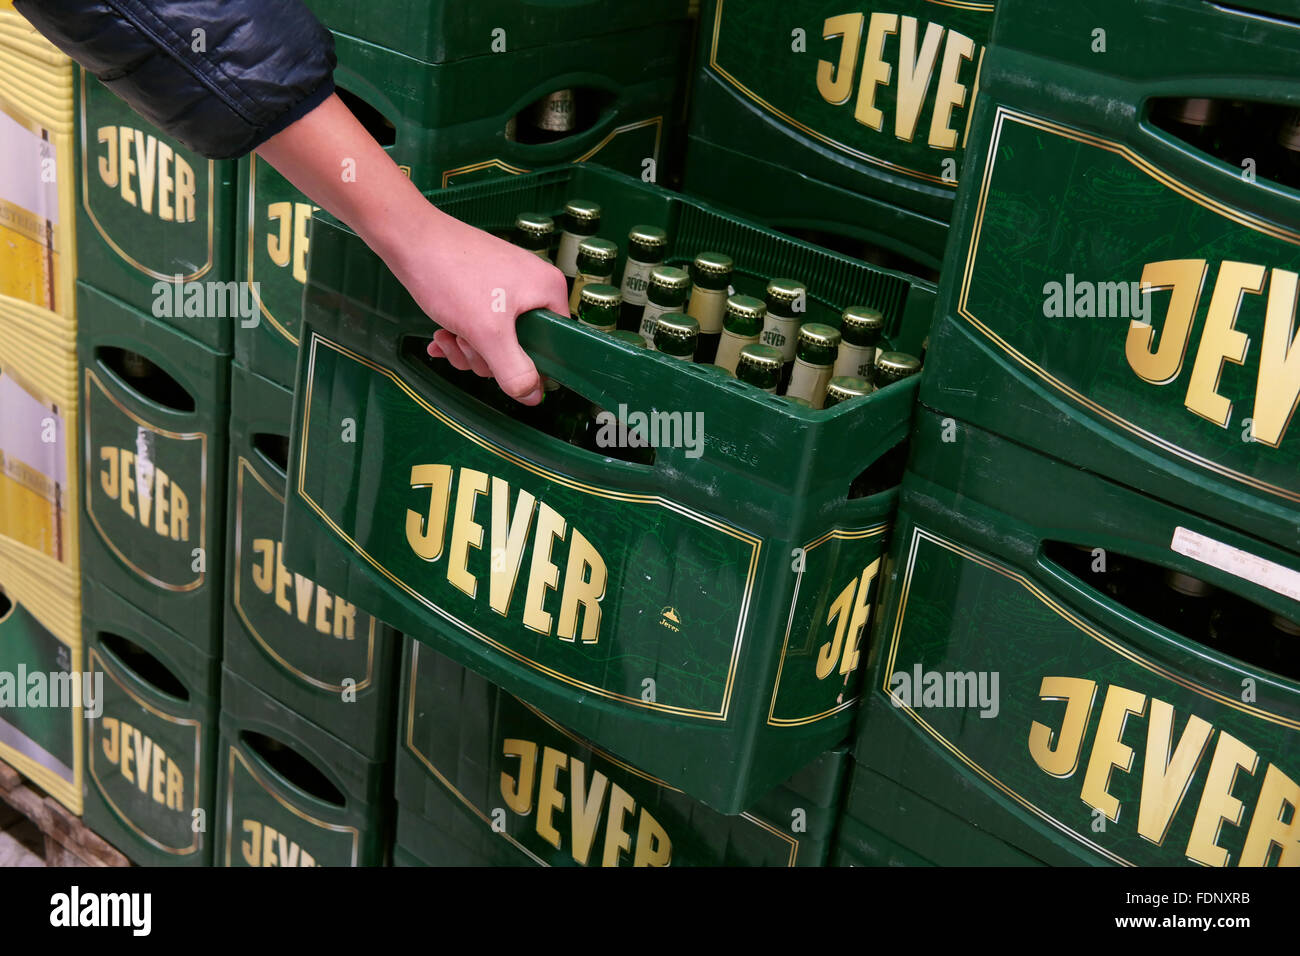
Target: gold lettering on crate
<point>263,845</point>
<point>297,595</point>
<point>159,504</point>
<point>147,173</point>
<point>589,798</point>
<point>929,63</point>
<point>143,763</point>
<point>287,242</point>
<point>1277,366</point>
<point>1168,765</point>
<point>581,587</point>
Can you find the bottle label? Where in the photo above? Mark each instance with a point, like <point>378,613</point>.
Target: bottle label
<point>650,318</point>
<point>854,360</point>
<point>809,382</point>
<point>707,308</point>
<point>729,347</point>
<point>636,280</point>
<point>566,257</point>
<point>781,334</point>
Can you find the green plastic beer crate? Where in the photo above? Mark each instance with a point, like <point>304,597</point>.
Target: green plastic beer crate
<point>720,592</point>
<point>496,782</point>
<point>153,533</point>
<point>874,102</point>
<point>1069,203</point>
<point>440,31</point>
<point>150,211</point>
<point>1055,706</point>
<point>150,756</point>
<point>446,125</point>
<point>314,652</point>
<point>290,793</point>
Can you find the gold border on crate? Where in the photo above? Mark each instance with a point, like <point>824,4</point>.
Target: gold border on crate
<point>257,778</point>
<point>656,121</point>
<point>200,271</point>
<point>203,488</point>
<point>252,245</point>
<point>834,534</point>
<point>754,542</point>
<point>964,5</point>
<point>246,466</point>
<point>828,140</point>
<point>169,718</point>
<point>447,784</point>
<point>919,535</point>
<point>1124,152</point>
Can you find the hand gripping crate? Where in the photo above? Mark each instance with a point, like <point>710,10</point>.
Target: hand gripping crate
<point>699,593</point>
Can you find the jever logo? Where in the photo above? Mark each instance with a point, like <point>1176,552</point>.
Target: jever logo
<point>1167,767</point>
<point>144,763</point>
<point>263,845</point>
<point>147,173</point>
<point>295,594</point>
<point>588,799</point>
<point>1277,360</point>
<point>584,571</point>
<point>921,73</point>
<point>159,503</point>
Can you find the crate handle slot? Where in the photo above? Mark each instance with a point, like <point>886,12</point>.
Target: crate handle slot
<point>370,116</point>
<point>146,668</point>
<point>293,768</point>
<point>274,448</point>
<point>146,379</point>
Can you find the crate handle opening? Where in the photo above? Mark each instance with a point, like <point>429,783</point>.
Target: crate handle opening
<point>274,448</point>
<point>376,123</point>
<point>293,767</point>
<point>560,114</point>
<point>146,379</point>
<point>145,666</point>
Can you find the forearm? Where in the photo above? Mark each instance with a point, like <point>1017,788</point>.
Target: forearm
<point>332,159</point>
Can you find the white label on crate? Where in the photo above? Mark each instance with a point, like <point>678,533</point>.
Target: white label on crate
<point>1242,564</point>
<point>26,178</point>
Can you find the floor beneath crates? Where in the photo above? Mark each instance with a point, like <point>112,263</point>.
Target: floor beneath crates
<point>21,842</point>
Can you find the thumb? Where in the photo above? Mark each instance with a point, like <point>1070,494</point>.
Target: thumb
<point>511,366</point>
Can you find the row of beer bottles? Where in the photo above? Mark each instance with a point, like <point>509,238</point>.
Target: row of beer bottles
<point>1188,606</point>
<point>1263,137</point>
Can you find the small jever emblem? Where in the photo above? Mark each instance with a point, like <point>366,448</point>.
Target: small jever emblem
<point>669,619</point>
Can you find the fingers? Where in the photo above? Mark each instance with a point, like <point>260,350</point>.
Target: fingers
<point>509,364</point>
<point>449,346</point>
<point>475,360</point>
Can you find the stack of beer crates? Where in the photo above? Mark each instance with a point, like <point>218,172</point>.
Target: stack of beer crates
<point>458,95</point>
<point>607,662</point>
<point>1087,651</point>
<point>842,123</point>
<point>157,302</point>
<point>41,653</point>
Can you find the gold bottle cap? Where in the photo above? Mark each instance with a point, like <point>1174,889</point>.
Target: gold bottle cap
<point>796,400</point>
<point>1288,136</point>
<point>819,336</point>
<point>583,211</point>
<point>652,237</point>
<point>1197,111</point>
<point>1186,584</point>
<point>677,325</point>
<point>1285,625</point>
<point>845,387</point>
<point>897,365</point>
<point>714,264</point>
<point>535,224</point>
<point>762,357</point>
<point>602,296</point>
<point>747,307</point>
<point>601,251</point>
<point>862,319</point>
<point>784,291</point>
<point>670,279</point>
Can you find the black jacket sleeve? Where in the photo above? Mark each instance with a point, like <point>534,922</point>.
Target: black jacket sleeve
<point>221,76</point>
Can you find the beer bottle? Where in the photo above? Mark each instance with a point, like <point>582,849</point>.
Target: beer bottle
<point>1187,606</point>
<point>860,328</point>
<point>150,380</point>
<point>846,388</point>
<point>598,308</point>
<point>801,402</point>
<point>1284,646</point>
<point>711,275</point>
<point>666,294</point>
<point>1288,163</point>
<point>554,116</point>
<point>677,335</point>
<point>646,248</point>
<point>781,329</point>
<point>760,366</point>
<point>893,367</point>
<point>596,261</point>
<point>741,326</point>
<point>534,232</point>
<point>628,337</point>
<point>813,363</point>
<point>581,220</point>
<point>1194,120</point>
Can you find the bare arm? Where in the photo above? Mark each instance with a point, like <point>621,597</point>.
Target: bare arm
<point>452,270</point>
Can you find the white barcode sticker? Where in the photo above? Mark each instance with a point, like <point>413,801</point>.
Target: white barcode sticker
<point>1242,564</point>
